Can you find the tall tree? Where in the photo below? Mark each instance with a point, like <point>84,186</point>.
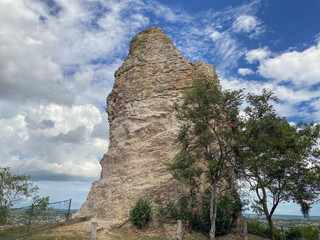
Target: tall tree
<point>207,138</point>
<point>280,161</point>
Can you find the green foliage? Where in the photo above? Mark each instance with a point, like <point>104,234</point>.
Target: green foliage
<point>199,217</point>
<point>293,234</point>
<point>170,212</point>
<point>278,159</point>
<point>209,135</point>
<point>140,214</point>
<point>307,232</point>
<point>13,188</point>
<point>256,228</point>
<point>3,215</point>
<point>208,139</point>
<point>40,207</point>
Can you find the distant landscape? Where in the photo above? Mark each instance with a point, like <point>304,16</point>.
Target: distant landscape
<point>285,221</point>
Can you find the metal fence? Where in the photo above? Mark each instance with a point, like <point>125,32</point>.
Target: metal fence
<point>18,221</point>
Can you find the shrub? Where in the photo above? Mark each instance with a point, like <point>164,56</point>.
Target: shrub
<point>307,232</point>
<point>293,234</point>
<point>256,228</point>
<point>197,213</point>
<point>140,214</point>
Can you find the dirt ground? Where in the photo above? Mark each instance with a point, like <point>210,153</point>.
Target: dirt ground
<point>108,231</point>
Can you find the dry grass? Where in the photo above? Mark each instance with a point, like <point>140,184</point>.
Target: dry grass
<point>107,231</point>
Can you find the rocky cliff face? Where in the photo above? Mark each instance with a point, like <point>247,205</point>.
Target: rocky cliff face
<point>143,126</point>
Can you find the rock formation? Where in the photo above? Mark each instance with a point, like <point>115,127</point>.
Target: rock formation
<point>143,126</point>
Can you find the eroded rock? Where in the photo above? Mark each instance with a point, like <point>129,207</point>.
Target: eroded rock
<point>143,125</point>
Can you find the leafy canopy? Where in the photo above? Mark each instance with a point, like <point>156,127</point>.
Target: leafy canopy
<point>207,139</point>
<point>14,188</point>
<point>280,161</point>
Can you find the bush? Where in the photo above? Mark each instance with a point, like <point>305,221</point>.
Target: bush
<point>256,228</point>
<point>307,232</point>
<point>198,215</point>
<point>293,234</point>
<point>140,214</point>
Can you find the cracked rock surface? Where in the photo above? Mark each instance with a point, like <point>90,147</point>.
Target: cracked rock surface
<point>143,126</point>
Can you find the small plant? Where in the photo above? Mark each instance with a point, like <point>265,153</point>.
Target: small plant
<point>140,214</point>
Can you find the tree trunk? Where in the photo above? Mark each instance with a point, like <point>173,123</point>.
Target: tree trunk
<point>266,212</point>
<point>213,210</point>
<point>271,227</point>
<point>268,216</point>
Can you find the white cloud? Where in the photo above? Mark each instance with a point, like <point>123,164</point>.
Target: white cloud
<point>299,68</point>
<point>290,98</point>
<point>258,54</point>
<point>170,15</point>
<point>245,23</point>
<point>54,142</point>
<point>245,71</point>
<point>215,35</point>
<point>27,70</point>
<point>227,49</point>
<point>57,62</point>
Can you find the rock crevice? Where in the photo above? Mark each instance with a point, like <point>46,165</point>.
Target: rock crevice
<point>143,126</point>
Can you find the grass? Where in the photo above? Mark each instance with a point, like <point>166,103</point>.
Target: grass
<point>128,235</point>
<point>11,232</point>
<point>52,235</point>
<point>81,231</point>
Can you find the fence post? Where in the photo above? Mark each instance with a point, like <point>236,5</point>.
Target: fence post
<point>179,230</point>
<point>93,233</point>
<point>318,234</point>
<point>30,218</point>
<point>245,230</point>
<point>68,214</point>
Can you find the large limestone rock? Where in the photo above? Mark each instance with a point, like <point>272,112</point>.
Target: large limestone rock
<point>143,125</point>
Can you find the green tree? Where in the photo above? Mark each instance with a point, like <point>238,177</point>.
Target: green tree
<point>13,188</point>
<point>207,138</point>
<point>279,160</point>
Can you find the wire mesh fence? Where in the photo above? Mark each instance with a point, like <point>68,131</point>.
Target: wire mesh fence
<point>18,221</point>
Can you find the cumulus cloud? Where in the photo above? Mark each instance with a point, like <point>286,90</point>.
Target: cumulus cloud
<point>53,143</point>
<point>291,99</point>
<point>56,68</point>
<point>258,54</point>
<point>299,68</point>
<point>245,71</point>
<point>27,70</point>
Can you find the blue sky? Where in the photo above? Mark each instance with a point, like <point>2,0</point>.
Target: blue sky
<point>57,59</point>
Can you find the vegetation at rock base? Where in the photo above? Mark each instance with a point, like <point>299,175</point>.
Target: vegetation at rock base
<point>140,214</point>
<point>279,161</point>
<point>196,214</point>
<point>207,139</point>
<point>13,188</point>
